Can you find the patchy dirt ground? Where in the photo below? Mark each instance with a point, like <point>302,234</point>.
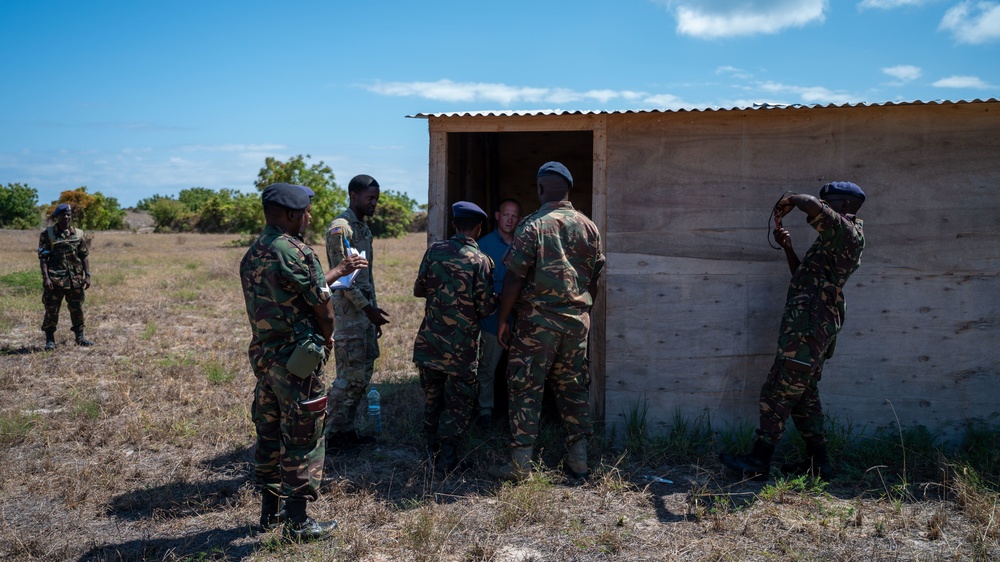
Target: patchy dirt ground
<point>140,449</point>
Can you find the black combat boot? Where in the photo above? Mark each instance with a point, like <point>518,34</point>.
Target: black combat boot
<point>816,463</point>
<point>302,528</point>
<point>432,446</point>
<point>82,341</point>
<point>340,441</point>
<point>447,458</point>
<point>756,465</point>
<point>270,516</point>
<point>50,340</point>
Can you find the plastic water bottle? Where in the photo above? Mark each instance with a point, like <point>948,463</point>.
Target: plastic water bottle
<point>375,410</point>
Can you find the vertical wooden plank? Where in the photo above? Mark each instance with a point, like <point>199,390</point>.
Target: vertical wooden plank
<point>598,329</point>
<point>437,186</point>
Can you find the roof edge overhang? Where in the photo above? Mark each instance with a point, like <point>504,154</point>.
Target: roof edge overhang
<point>754,107</point>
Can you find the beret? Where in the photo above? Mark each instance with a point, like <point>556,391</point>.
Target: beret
<point>289,196</point>
<point>555,168</point>
<point>842,188</point>
<point>60,209</point>
<point>462,209</point>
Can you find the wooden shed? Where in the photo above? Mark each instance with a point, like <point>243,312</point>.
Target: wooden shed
<point>689,308</point>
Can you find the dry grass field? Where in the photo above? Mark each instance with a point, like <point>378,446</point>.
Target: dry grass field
<point>140,449</point>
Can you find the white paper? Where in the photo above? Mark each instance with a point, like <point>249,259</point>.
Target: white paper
<point>346,281</point>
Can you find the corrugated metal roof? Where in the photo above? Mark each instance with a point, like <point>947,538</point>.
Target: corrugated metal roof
<point>536,112</point>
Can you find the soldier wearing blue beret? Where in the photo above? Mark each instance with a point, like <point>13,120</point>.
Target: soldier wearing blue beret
<point>456,279</point>
<point>64,258</point>
<point>814,314</point>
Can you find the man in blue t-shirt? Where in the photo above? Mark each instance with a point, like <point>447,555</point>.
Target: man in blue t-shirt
<point>495,245</point>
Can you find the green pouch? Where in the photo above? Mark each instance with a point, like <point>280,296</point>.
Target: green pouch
<point>307,356</point>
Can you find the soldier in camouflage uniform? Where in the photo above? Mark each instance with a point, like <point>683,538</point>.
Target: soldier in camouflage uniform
<point>64,259</point>
<point>359,319</point>
<point>553,266</point>
<point>288,305</point>
<point>456,278</point>
<point>814,313</point>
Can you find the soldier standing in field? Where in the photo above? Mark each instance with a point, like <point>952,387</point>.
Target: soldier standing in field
<point>359,319</point>
<point>553,267</point>
<point>65,262</point>
<point>814,314</point>
<point>288,305</point>
<point>456,279</point>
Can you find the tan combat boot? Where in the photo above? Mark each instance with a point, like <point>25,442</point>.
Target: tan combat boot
<point>576,459</point>
<point>518,469</point>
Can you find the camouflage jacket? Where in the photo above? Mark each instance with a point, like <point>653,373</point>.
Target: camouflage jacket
<point>346,229</point>
<point>282,281</point>
<point>557,250</point>
<point>63,254</point>
<point>456,278</point>
<point>815,304</point>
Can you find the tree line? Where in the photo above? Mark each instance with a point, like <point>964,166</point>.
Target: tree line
<point>19,208</point>
<point>199,209</point>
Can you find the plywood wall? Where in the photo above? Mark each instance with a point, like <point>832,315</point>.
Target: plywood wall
<point>694,294</point>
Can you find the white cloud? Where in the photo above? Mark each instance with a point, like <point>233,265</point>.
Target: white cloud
<point>233,147</point>
<point>904,72</point>
<point>809,94</point>
<point>973,82</point>
<point>446,90</point>
<point>973,22</point>
<point>711,19</point>
<point>665,101</point>
<point>889,4</point>
<point>734,72</point>
<point>476,92</point>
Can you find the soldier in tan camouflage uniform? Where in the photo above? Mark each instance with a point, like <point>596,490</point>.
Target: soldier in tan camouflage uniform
<point>456,279</point>
<point>359,319</point>
<point>65,262</point>
<point>553,267</point>
<point>288,305</point>
<point>814,313</point>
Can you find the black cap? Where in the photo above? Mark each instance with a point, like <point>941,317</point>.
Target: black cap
<point>463,209</point>
<point>556,168</point>
<point>289,196</point>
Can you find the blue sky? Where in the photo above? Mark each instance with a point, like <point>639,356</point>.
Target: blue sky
<point>136,98</point>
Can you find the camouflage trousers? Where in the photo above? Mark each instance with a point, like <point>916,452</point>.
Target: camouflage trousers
<point>539,355</point>
<point>792,389</point>
<point>449,399</point>
<point>355,366</point>
<point>288,413</point>
<point>52,299</point>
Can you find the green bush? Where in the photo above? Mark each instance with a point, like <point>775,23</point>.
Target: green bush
<point>170,215</point>
<point>231,211</point>
<point>393,215</point>
<point>92,212</point>
<point>329,199</point>
<point>147,203</point>
<point>19,207</point>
